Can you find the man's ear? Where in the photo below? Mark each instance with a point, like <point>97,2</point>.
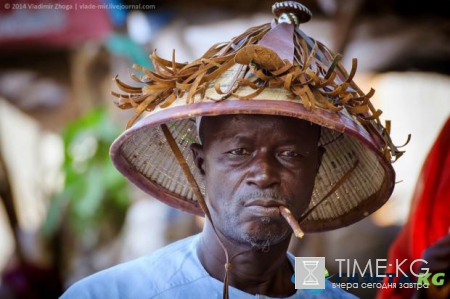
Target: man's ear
<point>197,152</point>
<point>320,157</point>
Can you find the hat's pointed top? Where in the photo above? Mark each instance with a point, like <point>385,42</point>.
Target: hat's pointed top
<point>291,12</point>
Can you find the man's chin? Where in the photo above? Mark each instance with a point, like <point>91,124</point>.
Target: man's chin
<point>258,234</point>
<point>266,239</point>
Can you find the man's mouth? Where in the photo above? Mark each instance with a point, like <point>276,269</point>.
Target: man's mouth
<point>264,207</point>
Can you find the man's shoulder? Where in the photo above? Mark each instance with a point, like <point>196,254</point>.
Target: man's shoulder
<point>145,277</point>
<point>330,292</point>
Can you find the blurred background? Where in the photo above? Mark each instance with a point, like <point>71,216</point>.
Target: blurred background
<point>65,211</point>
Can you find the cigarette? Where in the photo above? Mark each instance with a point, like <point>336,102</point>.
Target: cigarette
<point>291,221</point>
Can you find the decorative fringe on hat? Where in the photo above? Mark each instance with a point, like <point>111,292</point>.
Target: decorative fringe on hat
<point>315,77</point>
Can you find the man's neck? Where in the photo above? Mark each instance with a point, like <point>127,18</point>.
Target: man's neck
<point>255,271</point>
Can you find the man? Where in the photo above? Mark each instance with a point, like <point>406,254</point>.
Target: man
<point>263,135</point>
<point>250,170</point>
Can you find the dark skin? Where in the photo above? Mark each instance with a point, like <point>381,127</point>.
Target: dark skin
<point>252,164</point>
<point>438,255</point>
<point>438,258</point>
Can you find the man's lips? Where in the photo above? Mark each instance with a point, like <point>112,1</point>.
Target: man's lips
<point>264,207</point>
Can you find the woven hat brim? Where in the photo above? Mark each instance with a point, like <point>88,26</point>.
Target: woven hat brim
<point>142,156</point>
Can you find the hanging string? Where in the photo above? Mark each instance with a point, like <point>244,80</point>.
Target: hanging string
<point>335,187</point>
<point>198,194</point>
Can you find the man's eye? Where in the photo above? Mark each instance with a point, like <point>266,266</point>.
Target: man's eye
<point>289,154</point>
<point>240,151</point>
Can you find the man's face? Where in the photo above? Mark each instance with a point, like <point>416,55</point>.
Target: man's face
<point>253,164</point>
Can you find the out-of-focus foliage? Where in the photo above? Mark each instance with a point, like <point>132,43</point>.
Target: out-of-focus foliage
<point>95,196</point>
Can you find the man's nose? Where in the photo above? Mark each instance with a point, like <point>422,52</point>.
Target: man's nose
<point>264,171</point>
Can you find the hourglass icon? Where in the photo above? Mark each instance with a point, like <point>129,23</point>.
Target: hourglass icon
<point>310,279</point>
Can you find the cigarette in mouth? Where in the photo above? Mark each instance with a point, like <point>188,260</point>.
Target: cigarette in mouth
<point>291,221</point>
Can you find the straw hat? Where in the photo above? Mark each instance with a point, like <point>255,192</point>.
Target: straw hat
<point>273,69</point>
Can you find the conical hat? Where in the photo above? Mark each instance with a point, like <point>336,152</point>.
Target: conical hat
<point>273,69</point>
